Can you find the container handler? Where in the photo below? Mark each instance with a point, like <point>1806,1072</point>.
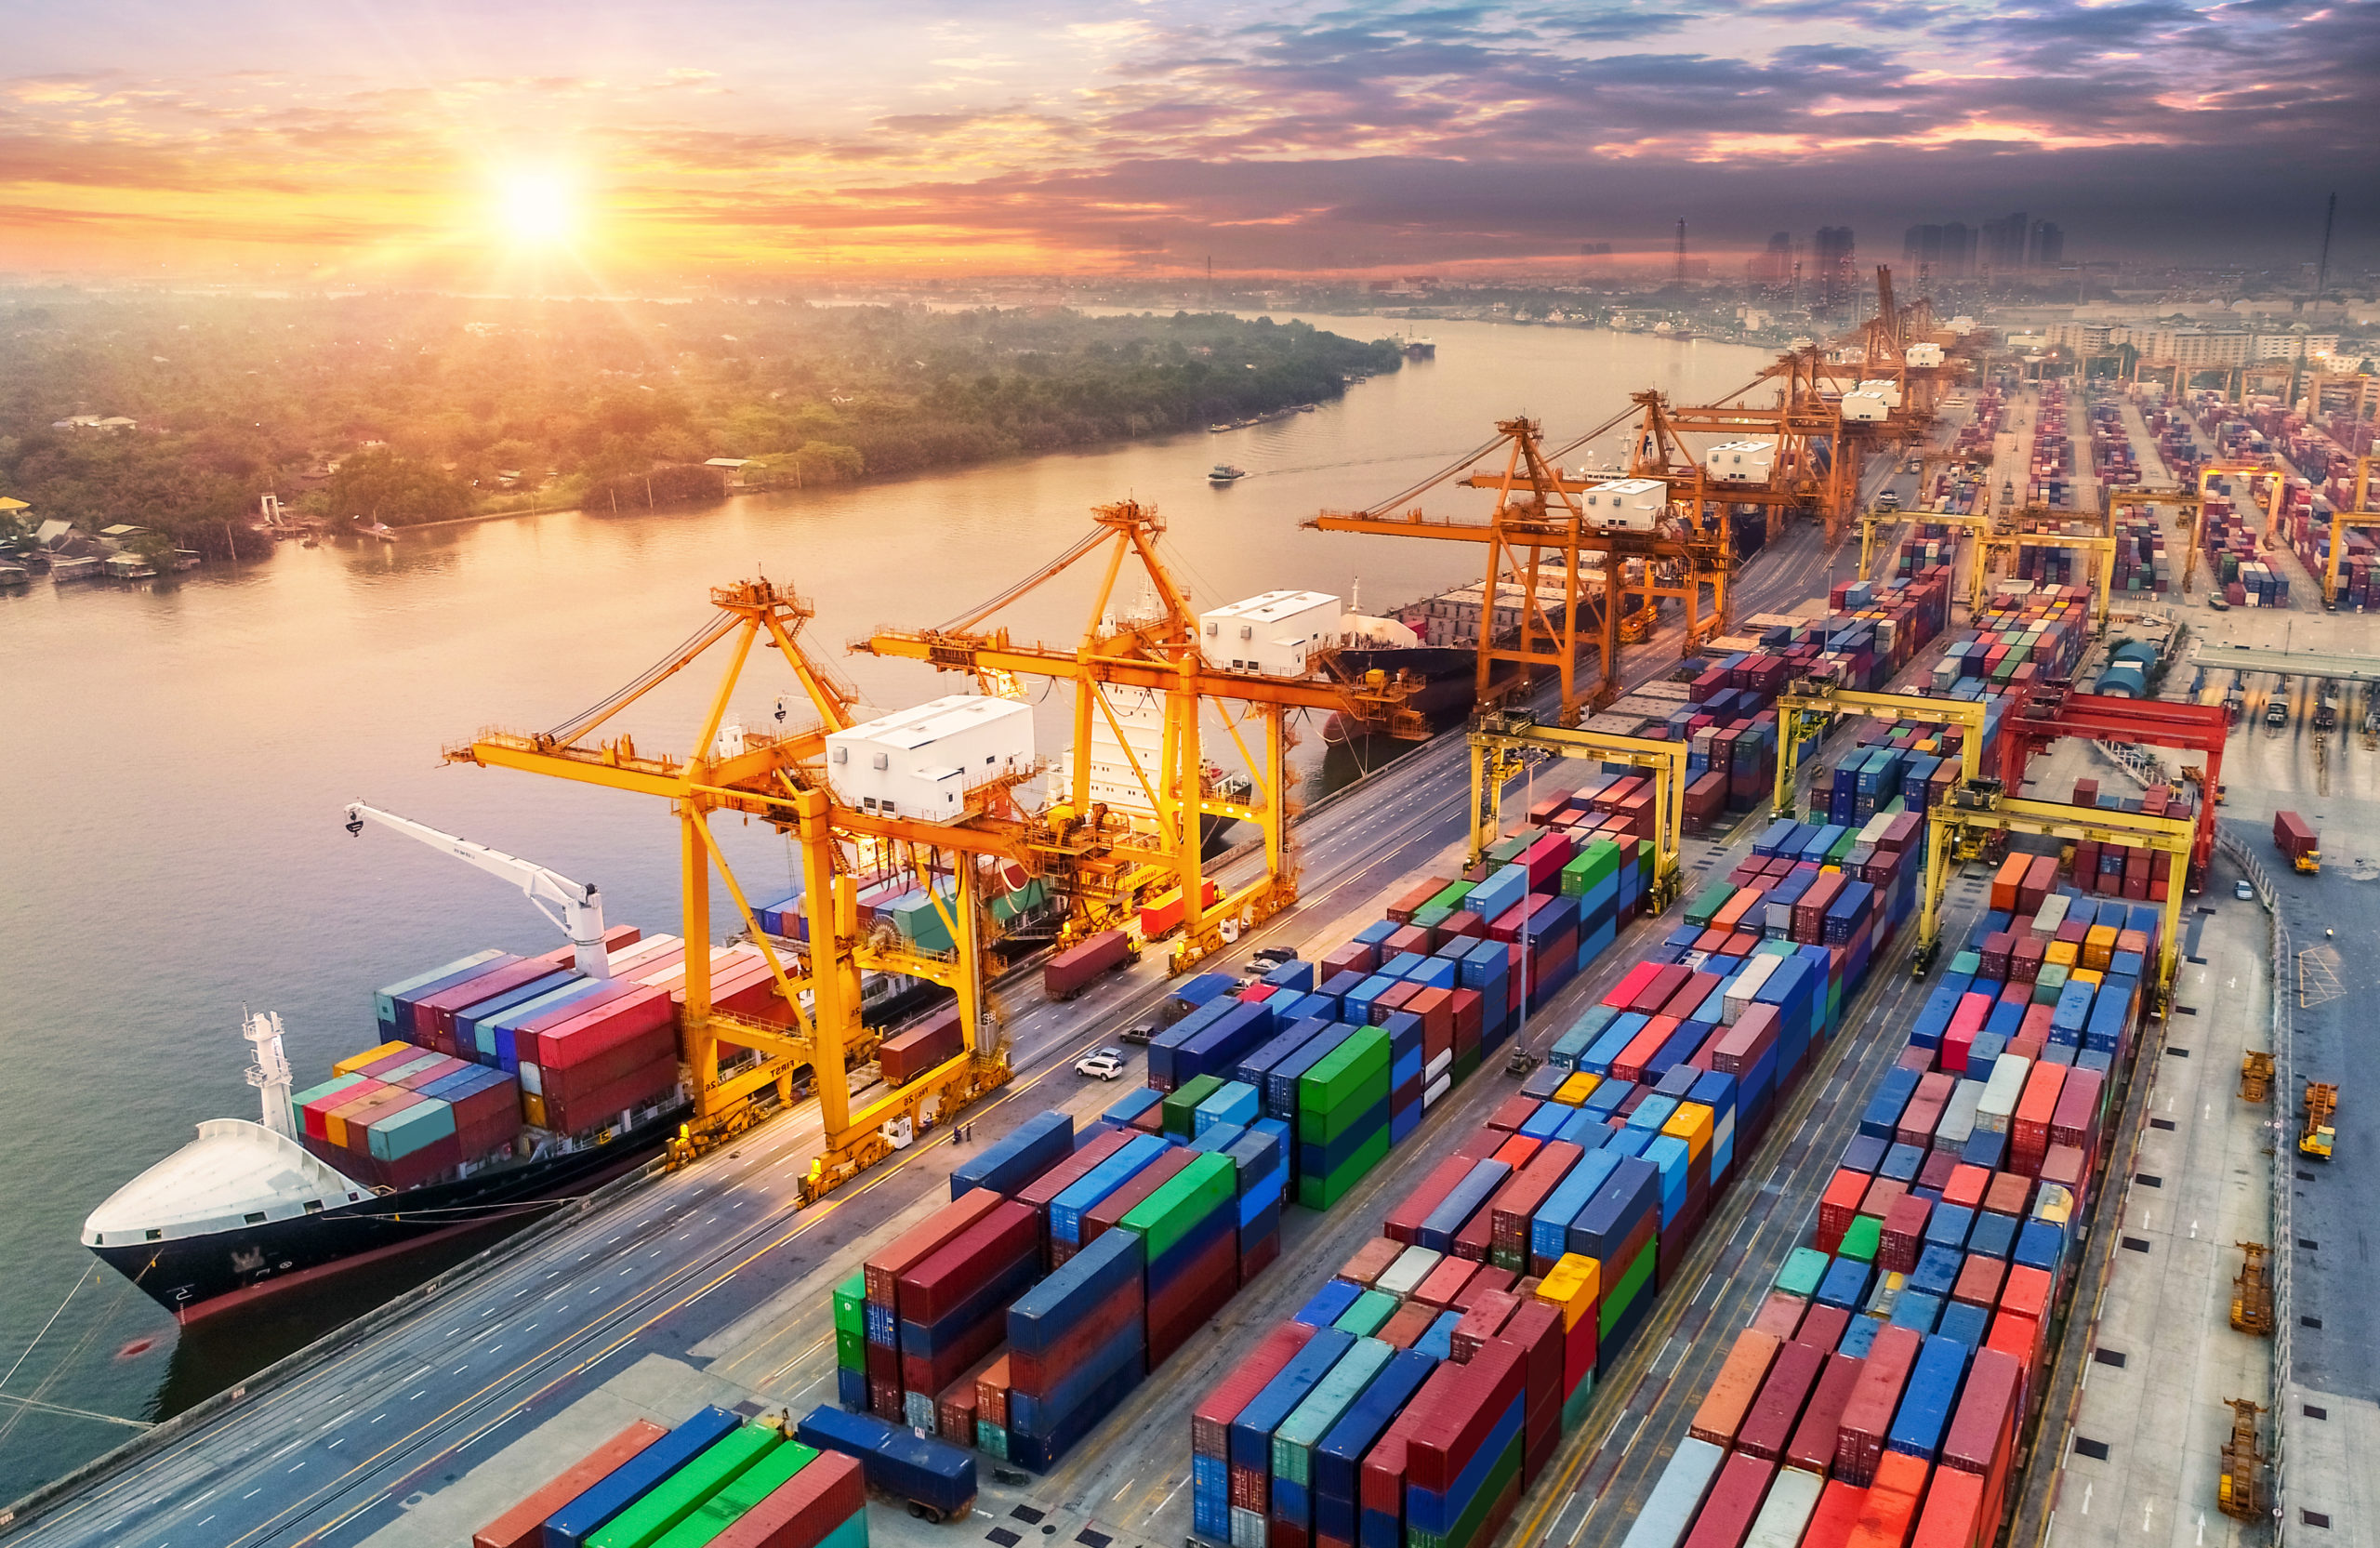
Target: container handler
<point>2252,1292</point>
<point>2322,1105</point>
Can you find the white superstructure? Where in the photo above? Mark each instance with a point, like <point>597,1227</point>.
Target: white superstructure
<point>1885,387</point>
<point>920,763</point>
<point>235,1174</point>
<point>1740,461</point>
<point>1274,633</point>
<point>1628,505</point>
<point>1923,355</point>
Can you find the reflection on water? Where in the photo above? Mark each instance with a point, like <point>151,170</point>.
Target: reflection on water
<point>177,758</point>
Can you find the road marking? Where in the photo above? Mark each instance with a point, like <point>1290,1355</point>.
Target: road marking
<point>2146,1512</point>
<point>254,1492</point>
<point>2202,1526</point>
<point>2087,1499</point>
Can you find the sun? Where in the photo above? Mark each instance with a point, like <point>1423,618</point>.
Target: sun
<point>537,208</point>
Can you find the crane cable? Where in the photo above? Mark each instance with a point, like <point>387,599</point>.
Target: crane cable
<point>694,644</point>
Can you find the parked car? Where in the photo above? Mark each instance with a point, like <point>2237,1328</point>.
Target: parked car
<point>1104,1064</point>
<point>2240,889</point>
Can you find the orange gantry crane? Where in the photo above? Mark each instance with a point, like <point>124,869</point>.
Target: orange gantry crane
<point>1538,536</point>
<point>1108,859</point>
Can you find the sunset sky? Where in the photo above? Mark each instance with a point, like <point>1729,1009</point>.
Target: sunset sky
<point>500,143</point>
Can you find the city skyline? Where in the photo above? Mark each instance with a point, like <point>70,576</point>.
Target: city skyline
<point>531,143</point>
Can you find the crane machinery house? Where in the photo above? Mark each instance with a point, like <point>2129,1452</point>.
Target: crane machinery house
<point>1885,387</point>
<point>1626,505</point>
<point>920,763</point>
<point>1275,633</point>
<point>1740,461</point>
<point>1923,355</point>
<point>1865,407</point>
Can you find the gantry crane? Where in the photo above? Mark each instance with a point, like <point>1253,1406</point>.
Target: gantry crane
<point>2195,504</point>
<point>779,779</point>
<point>1537,536</point>
<point>1809,708</point>
<point>2361,516</point>
<point>2053,711</point>
<point>1105,862</point>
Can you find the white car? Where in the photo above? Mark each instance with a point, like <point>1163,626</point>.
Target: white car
<point>1106,1064</point>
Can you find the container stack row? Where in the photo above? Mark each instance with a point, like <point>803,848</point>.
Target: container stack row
<point>1881,1390</point>
<point>715,1481</point>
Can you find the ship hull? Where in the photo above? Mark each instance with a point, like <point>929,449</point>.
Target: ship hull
<point>222,1274</point>
<point>1448,675</point>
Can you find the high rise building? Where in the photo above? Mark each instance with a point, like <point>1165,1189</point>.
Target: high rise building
<point>2047,247</point>
<point>2003,242</point>
<point>1923,246</point>
<point>1772,269</point>
<point>1832,251</point>
<point>1958,250</point>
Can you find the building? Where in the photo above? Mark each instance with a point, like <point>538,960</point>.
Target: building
<point>2298,343</point>
<point>2046,245</point>
<point>2196,349</point>
<point>1834,254</point>
<point>1771,269</point>
<point>2001,247</point>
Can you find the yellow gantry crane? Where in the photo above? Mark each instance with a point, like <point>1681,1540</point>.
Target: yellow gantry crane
<point>2194,503</point>
<point>2361,516</point>
<point>1105,861</point>
<point>779,778</point>
<point>1808,709</point>
<point>1502,741</point>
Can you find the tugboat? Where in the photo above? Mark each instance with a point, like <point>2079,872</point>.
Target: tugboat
<point>1224,472</point>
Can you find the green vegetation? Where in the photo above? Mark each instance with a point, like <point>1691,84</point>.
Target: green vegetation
<point>405,409</point>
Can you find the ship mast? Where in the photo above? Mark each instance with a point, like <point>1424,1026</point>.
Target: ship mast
<point>270,1074</point>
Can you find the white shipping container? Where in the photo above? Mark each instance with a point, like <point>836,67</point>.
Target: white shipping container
<point>1405,1276</point>
<point>1785,1516</point>
<point>1746,985</point>
<point>1631,505</point>
<point>1275,633</point>
<point>2051,914</point>
<point>1740,461</point>
<point>1661,1521</point>
<point>1997,1107</point>
<point>1958,1114</point>
<point>920,763</point>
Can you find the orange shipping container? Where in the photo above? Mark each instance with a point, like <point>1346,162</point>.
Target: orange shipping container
<point>525,1525</point>
<point>1724,1406</point>
<point>2005,884</point>
<point>1891,1502</point>
<point>1953,1514</point>
<point>1838,1513</point>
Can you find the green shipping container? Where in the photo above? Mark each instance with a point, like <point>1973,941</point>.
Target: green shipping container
<point>682,1493</point>
<point>850,1302</point>
<point>1208,1183</point>
<point>1466,1529</point>
<point>1180,1105</point>
<point>731,1504</point>
<point>1450,899</point>
<point>1804,1267</point>
<point>991,1441</point>
<point>1363,1317</point>
<point>1863,1239</point>
<point>1429,916</point>
<point>1637,1281</point>
<point>851,1350</point>
<point>1321,1193</point>
<point>1343,1085</point>
<point>1294,1440</point>
<point>1704,906</point>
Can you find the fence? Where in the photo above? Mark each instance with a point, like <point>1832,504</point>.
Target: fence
<point>2284,1232</point>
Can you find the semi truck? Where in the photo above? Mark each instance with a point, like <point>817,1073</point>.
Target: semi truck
<point>2294,836</point>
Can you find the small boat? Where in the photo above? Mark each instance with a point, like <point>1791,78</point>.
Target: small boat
<point>1218,429</point>
<point>1305,409</point>
<point>376,529</point>
<point>1224,472</point>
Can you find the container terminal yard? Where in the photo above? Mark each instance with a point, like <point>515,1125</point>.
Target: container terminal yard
<point>1561,1149</point>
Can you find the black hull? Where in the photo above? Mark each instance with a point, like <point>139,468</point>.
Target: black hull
<point>212,1276</point>
<point>1448,675</point>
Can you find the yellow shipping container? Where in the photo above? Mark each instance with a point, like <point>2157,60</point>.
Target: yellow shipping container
<point>2063,953</point>
<point>1693,1122</point>
<point>1573,1092</point>
<point>1575,1284</point>
<point>354,1061</point>
<point>2098,948</point>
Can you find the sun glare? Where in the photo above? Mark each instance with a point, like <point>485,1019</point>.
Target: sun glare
<point>536,209</point>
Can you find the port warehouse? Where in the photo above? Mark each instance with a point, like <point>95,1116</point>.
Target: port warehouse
<point>1106,1315</point>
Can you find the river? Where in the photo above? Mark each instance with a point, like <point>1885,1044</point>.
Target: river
<point>177,758</point>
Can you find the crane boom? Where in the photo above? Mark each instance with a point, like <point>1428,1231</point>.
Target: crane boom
<point>581,916</point>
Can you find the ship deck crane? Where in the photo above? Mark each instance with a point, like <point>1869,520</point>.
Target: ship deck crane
<point>778,778</point>
<point>581,910</point>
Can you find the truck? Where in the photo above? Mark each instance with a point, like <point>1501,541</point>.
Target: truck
<point>1073,970</point>
<point>2326,708</point>
<point>933,1478</point>
<point>2294,836</point>
<point>2276,709</point>
<point>2322,1105</point>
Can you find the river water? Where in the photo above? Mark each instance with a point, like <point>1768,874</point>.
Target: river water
<point>174,759</point>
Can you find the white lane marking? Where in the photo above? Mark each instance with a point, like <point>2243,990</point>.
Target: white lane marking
<point>2086,1498</point>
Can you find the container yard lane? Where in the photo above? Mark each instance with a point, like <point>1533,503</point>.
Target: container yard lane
<point>358,1434</point>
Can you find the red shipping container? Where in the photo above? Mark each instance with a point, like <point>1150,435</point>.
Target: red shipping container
<point>1176,1312</point>
<point>579,1114</point>
<point>597,1032</point>
<point>1735,1497</point>
<point>1869,1414</point>
<point>1442,1284</point>
<point>1456,1422</point>
<point>1511,1206</point>
<point>1403,1222</point>
<point>435,1014</point>
<point>1891,1510</point>
<point>2026,1291</point>
<point>1406,1324</point>
<point>1978,1281</point>
<point>1983,1426</point>
<point>1104,1215</point>
<point>882,1271</point>
<point>1767,1428</point>
<point>1824,1326</point>
<point>1370,1261</point>
<point>1780,1315</point>
<point>2008,1194</point>
<point>1815,1438</point>
<point>1486,1278</point>
<point>938,1284</point>
<point>1966,1187</point>
<point>804,1510</point>
<point>1904,1233</point>
<point>525,1525</point>
<point>1483,1319</point>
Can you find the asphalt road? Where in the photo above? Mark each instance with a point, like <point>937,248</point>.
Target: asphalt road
<point>332,1452</point>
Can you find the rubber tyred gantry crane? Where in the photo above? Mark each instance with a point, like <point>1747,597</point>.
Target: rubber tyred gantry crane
<point>2052,713</point>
